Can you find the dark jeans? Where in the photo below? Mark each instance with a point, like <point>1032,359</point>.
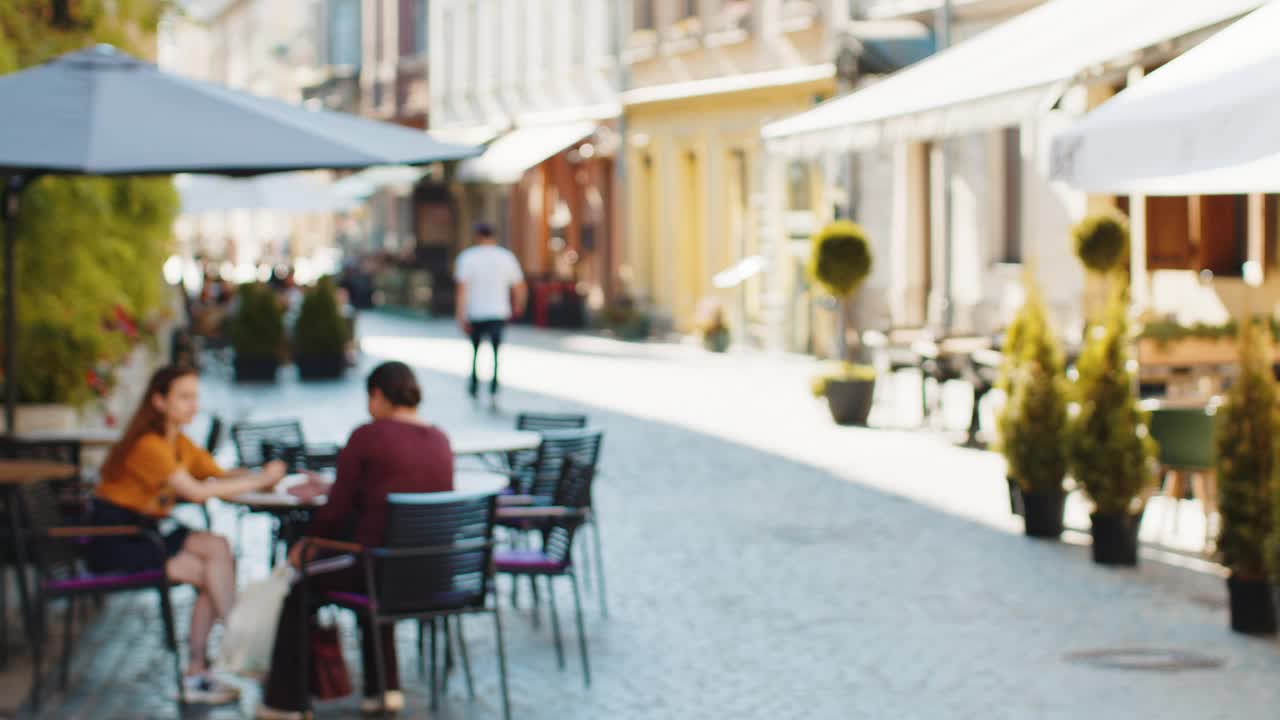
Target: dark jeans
<point>286,689</point>
<point>480,330</point>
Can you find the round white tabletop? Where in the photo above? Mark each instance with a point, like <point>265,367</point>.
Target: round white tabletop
<point>465,482</point>
<point>470,441</point>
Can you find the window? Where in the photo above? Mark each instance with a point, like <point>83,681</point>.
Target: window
<point>413,28</point>
<point>1168,233</point>
<point>689,8</point>
<point>643,15</point>
<point>799,186</point>
<point>344,32</point>
<point>1012,138</point>
<point>1220,224</point>
<point>1271,230</point>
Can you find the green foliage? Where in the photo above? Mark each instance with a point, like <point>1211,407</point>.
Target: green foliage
<point>841,372</point>
<point>1164,332</point>
<point>257,329</point>
<point>840,259</point>
<point>1110,453</point>
<point>320,328</point>
<point>625,319</point>
<point>90,250</point>
<point>1245,443</point>
<point>1030,320</point>
<point>1102,241</point>
<point>1033,421</point>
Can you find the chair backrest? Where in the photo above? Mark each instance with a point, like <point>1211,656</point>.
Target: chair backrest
<point>213,440</point>
<point>538,422</point>
<point>1185,436</point>
<point>580,446</point>
<point>437,553</point>
<point>573,492</point>
<point>254,440</point>
<point>541,422</point>
<point>41,509</point>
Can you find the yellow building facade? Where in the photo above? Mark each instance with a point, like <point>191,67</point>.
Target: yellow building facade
<point>704,78</point>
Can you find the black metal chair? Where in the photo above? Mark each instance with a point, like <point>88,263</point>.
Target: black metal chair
<point>73,493</point>
<point>541,422</point>
<point>558,524</point>
<point>535,484</point>
<point>436,563</point>
<point>258,443</point>
<point>57,551</point>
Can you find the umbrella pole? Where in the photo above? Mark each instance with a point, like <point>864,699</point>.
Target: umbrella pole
<point>8,212</point>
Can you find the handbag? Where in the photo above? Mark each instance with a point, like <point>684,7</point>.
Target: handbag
<point>251,628</point>
<point>329,677</point>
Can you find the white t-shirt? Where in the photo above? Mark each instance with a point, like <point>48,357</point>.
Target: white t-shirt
<point>488,272</point>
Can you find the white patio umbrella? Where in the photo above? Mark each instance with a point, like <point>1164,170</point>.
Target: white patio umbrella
<point>1206,123</point>
<point>102,112</point>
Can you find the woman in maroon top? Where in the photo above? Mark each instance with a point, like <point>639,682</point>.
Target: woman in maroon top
<point>396,453</point>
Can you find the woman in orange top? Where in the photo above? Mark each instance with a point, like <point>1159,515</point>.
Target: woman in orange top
<point>152,467</point>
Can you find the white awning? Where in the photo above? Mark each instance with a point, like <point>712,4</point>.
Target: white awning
<point>509,157</point>
<point>745,82</point>
<point>370,180</point>
<point>1204,124</point>
<point>294,192</point>
<point>1002,76</point>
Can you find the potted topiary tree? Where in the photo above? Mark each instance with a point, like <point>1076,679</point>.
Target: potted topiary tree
<point>839,262</point>
<point>1111,453</point>
<point>320,334</point>
<point>1011,360</point>
<point>1245,462</point>
<point>257,334</point>
<point>1033,422</point>
<point>1102,241</point>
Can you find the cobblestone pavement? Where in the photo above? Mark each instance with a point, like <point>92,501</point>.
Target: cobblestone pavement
<point>762,563</point>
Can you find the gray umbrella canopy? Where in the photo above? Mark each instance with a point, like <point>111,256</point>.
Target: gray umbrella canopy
<point>101,112</point>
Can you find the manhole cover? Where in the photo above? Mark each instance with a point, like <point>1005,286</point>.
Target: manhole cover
<point>1145,659</point>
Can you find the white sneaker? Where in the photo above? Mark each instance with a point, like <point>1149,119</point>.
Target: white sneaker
<point>208,690</point>
<point>393,699</point>
<point>269,713</point>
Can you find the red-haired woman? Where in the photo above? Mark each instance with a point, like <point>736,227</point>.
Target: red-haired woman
<point>152,467</point>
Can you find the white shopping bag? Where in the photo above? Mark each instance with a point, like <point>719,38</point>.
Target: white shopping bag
<point>251,628</point>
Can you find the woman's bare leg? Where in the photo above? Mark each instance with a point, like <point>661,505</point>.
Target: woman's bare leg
<point>206,563</point>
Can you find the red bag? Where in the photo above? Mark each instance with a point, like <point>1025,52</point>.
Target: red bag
<point>329,678</point>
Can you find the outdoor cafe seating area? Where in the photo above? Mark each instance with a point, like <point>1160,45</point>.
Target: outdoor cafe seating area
<point>519,522</point>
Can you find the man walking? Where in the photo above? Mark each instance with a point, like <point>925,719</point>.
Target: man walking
<point>490,287</point>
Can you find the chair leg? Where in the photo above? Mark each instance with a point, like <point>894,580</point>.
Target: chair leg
<point>447,667</point>
<point>537,603</point>
<point>598,554</point>
<point>466,661</point>
<point>582,633</point>
<point>435,694</point>
<point>502,662</point>
<point>422,650</point>
<point>208,517</point>
<point>4,619</point>
<point>35,636</point>
<point>67,630</point>
<point>171,639</point>
<point>379,666</point>
<point>555,621</point>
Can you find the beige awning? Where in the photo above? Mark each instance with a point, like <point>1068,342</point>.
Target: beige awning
<point>1002,76</point>
<point>509,157</point>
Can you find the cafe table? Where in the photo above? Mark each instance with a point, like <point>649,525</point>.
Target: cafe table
<point>14,475</point>
<point>293,513</point>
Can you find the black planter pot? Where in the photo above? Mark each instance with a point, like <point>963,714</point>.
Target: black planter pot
<point>1015,496</point>
<point>1252,608</point>
<point>850,400</point>
<point>321,366</point>
<point>255,369</point>
<point>1042,513</point>
<point>1115,538</point>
